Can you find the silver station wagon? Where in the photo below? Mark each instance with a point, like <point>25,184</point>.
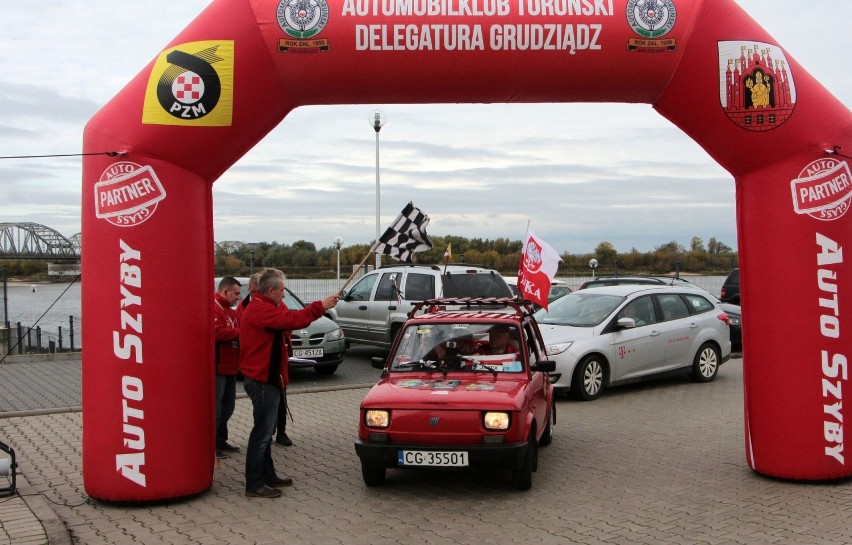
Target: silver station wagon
<point>602,337</point>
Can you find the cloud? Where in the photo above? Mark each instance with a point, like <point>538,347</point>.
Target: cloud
<point>581,173</point>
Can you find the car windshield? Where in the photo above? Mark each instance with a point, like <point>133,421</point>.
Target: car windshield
<point>579,309</point>
<point>557,291</point>
<point>475,285</point>
<point>490,347</point>
<point>292,302</point>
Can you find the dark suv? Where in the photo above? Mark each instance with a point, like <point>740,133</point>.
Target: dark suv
<point>731,288</point>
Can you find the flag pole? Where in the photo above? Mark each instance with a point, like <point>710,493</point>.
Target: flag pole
<point>520,263</point>
<point>354,272</point>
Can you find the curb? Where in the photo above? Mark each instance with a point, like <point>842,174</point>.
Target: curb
<point>54,529</point>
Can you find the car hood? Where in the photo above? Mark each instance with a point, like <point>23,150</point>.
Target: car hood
<point>562,333</point>
<point>731,308</point>
<point>464,390</point>
<point>322,325</point>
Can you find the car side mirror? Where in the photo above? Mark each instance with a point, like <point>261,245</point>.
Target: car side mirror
<point>626,323</point>
<point>377,362</point>
<point>545,366</point>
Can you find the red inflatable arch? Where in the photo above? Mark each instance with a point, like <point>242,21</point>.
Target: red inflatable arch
<point>243,65</point>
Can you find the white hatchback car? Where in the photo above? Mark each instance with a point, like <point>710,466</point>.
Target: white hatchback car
<point>601,337</point>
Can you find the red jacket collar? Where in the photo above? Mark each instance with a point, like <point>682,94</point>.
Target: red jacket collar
<point>264,298</point>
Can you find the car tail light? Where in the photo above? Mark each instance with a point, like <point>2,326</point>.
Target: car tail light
<point>724,317</point>
<point>722,293</point>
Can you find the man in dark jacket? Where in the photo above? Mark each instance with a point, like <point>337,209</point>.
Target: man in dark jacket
<point>227,332</point>
<point>265,329</point>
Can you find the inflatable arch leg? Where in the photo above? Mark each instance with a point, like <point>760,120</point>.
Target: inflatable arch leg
<point>242,65</point>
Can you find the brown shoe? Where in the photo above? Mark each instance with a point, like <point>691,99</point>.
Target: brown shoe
<point>279,482</point>
<point>263,492</point>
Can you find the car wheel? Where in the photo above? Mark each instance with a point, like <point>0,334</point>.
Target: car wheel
<point>547,436</point>
<point>522,477</point>
<point>325,369</point>
<point>706,363</point>
<point>373,475</point>
<point>588,381</point>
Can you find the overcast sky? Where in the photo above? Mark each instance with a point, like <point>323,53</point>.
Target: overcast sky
<point>582,173</point>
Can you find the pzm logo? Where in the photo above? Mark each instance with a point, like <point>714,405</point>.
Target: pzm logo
<point>190,88</point>
<point>187,112</point>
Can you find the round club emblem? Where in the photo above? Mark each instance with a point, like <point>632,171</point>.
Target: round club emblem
<point>651,18</point>
<point>302,18</point>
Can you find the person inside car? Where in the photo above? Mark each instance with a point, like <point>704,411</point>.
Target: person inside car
<point>499,341</point>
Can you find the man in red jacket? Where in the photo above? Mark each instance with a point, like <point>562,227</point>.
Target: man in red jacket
<point>227,332</point>
<point>265,329</point>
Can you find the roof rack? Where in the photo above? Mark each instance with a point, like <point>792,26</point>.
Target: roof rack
<point>520,306</point>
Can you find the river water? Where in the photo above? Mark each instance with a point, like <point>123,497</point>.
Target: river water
<point>54,305</point>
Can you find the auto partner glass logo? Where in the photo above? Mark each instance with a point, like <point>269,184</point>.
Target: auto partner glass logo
<point>192,84</point>
<point>823,189</point>
<point>302,20</point>
<point>127,194</point>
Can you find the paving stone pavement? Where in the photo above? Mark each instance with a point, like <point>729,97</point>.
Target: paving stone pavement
<point>656,463</point>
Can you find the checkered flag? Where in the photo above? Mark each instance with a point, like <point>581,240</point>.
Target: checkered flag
<point>406,236</point>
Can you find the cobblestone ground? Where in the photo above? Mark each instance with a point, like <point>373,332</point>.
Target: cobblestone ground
<point>658,463</point>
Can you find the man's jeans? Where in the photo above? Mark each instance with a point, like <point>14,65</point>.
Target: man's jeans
<point>264,400</point>
<point>226,398</point>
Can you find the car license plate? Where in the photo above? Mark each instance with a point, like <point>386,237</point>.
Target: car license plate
<point>307,352</point>
<point>432,458</point>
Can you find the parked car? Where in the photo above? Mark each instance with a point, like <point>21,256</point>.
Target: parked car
<point>732,310</point>
<point>320,346</point>
<point>735,321</point>
<point>613,335</point>
<point>731,288</point>
<point>633,280</point>
<point>374,309</point>
<point>460,388</point>
<point>558,288</point>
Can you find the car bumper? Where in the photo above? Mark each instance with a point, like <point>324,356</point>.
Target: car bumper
<point>329,358</point>
<point>736,338</point>
<point>387,454</point>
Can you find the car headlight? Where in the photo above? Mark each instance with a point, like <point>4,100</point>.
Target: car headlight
<point>334,335</point>
<point>734,320</point>
<point>377,418</point>
<point>496,420</point>
<point>558,348</point>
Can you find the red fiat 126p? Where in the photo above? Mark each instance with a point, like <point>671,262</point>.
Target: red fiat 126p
<point>467,387</point>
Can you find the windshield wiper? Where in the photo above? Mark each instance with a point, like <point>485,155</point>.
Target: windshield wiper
<point>428,365</point>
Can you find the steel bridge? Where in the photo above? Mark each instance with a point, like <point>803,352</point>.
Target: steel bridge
<point>36,242</point>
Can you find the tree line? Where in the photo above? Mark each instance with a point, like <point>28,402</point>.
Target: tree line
<point>304,259</point>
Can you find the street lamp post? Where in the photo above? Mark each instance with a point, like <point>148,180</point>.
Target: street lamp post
<point>377,120</point>
<point>593,264</point>
<point>33,287</point>
<point>338,242</point>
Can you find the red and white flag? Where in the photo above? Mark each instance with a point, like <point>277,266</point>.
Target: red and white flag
<point>539,262</point>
